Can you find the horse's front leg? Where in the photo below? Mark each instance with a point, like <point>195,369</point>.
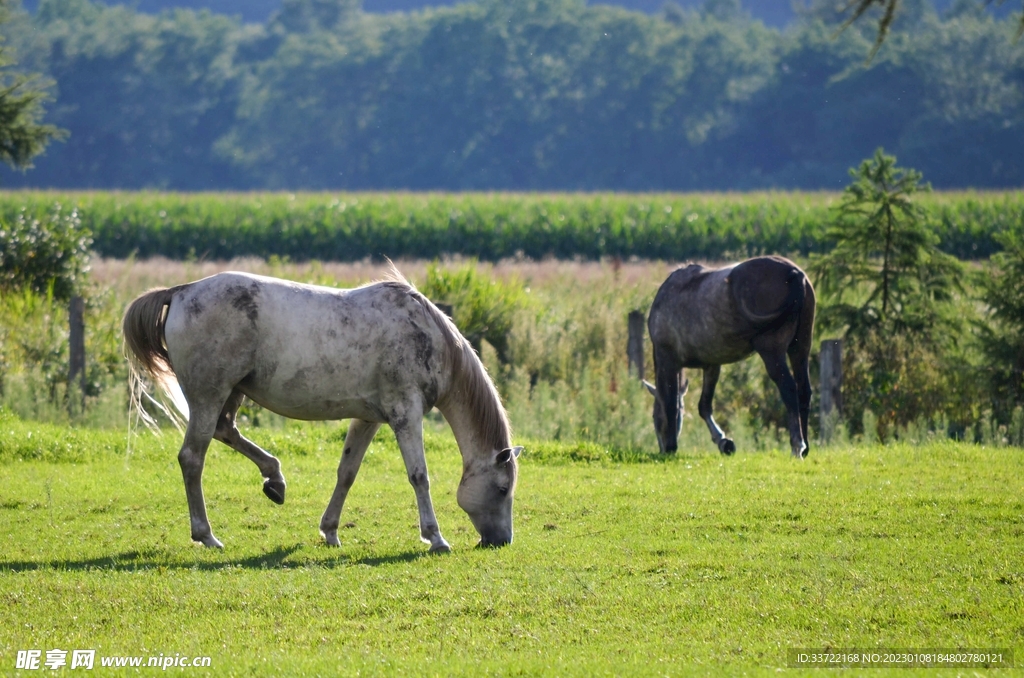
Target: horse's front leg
<point>408,428</point>
<point>705,409</point>
<point>357,440</point>
<point>269,466</point>
<point>192,458</point>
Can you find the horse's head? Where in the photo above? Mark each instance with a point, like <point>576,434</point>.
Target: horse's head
<point>485,493</point>
<point>668,415</point>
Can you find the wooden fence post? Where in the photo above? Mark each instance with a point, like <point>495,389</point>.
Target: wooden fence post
<point>76,352</point>
<point>635,344</point>
<point>831,359</point>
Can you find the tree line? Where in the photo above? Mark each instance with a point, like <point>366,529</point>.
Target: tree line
<point>523,95</point>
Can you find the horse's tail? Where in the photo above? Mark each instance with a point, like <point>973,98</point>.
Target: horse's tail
<point>796,282</point>
<point>143,329</point>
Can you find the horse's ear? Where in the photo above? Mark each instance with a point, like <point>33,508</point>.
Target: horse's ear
<point>507,455</point>
<point>650,387</point>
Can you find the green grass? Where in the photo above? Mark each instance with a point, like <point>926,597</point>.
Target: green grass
<point>696,564</point>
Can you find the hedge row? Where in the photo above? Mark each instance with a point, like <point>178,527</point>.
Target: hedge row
<point>345,227</point>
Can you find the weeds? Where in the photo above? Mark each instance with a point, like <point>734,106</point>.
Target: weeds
<point>565,377</point>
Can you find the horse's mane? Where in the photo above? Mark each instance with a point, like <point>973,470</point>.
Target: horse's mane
<point>469,376</point>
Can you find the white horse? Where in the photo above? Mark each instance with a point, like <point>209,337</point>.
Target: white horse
<point>382,353</point>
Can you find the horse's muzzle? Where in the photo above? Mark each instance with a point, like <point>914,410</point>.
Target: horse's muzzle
<point>493,541</point>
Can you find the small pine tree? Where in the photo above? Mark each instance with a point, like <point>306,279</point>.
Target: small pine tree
<point>886,270</point>
<point>889,289</point>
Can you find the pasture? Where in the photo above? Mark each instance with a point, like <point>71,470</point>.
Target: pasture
<point>623,563</point>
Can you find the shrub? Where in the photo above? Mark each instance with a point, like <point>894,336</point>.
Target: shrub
<point>482,307</point>
<point>45,251</point>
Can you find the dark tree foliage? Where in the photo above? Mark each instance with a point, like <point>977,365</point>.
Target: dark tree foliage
<point>145,97</point>
<point>1003,334</point>
<point>524,95</point>
<point>855,9</point>
<point>22,136</point>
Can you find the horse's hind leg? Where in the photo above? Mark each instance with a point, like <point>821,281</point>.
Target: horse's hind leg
<point>704,408</point>
<point>800,361</point>
<point>268,464</point>
<point>799,357</point>
<point>192,458</point>
<point>360,433</point>
<point>775,362</point>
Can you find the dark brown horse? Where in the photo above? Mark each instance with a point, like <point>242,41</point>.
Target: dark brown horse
<point>705,318</point>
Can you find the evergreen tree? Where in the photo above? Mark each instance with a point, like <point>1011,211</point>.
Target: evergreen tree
<point>884,247</point>
<point>22,137</point>
<point>890,290</point>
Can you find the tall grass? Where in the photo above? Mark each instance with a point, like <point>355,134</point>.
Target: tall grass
<point>565,378</point>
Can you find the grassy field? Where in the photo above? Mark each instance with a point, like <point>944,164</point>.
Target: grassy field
<point>620,565</point>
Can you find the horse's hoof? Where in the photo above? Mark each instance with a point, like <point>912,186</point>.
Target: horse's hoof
<point>726,446</point>
<point>209,542</point>
<point>274,489</point>
<point>443,547</point>
<point>331,539</point>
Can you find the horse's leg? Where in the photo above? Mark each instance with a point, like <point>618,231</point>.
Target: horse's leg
<point>704,408</point>
<point>775,362</point>
<point>192,457</point>
<point>360,433</point>
<point>668,412</point>
<point>800,360</point>
<point>269,466</point>
<point>408,427</point>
